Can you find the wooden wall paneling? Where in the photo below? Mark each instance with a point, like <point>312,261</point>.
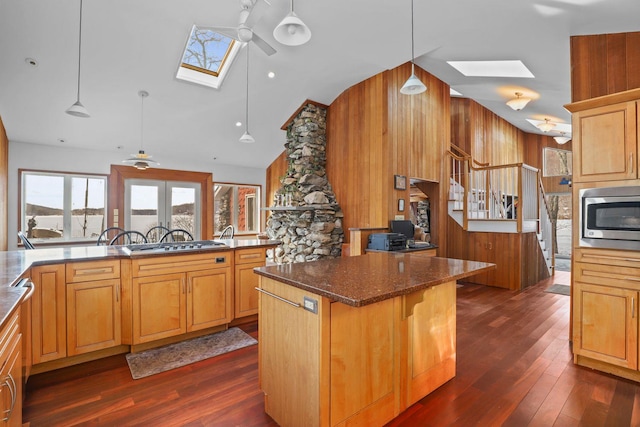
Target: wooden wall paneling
<point>4,187</point>
<point>276,170</point>
<point>603,64</point>
<point>633,60</point>
<point>401,119</point>
<point>460,123</point>
<point>616,71</point>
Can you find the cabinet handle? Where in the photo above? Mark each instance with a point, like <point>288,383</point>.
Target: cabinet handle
<point>118,292</point>
<point>295,304</point>
<point>13,389</point>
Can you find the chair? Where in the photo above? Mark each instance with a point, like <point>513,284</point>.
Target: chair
<point>155,233</point>
<point>109,233</point>
<point>177,235</point>
<point>228,232</point>
<point>130,237</point>
<point>25,242</point>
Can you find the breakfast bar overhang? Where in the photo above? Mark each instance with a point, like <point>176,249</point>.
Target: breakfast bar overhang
<point>357,340</point>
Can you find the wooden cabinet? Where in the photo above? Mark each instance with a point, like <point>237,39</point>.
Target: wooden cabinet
<point>605,143</point>
<point>246,296</point>
<point>605,311</point>
<point>175,294</point>
<point>502,249</point>
<point>316,370</point>
<point>93,306</point>
<point>11,372</point>
<point>49,332</point>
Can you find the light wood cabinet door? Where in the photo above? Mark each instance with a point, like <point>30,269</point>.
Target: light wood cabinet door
<point>605,143</point>
<point>93,316</point>
<point>49,333</point>
<point>11,373</point>
<point>606,324</point>
<point>246,296</point>
<point>158,307</point>
<point>208,299</point>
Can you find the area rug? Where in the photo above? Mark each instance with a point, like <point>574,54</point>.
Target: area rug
<point>559,289</point>
<point>150,362</point>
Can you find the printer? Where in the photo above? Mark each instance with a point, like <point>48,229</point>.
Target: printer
<point>387,241</point>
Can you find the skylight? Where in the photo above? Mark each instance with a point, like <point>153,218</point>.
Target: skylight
<point>207,57</point>
<point>492,68</point>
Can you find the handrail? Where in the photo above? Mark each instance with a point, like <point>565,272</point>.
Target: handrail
<point>467,156</point>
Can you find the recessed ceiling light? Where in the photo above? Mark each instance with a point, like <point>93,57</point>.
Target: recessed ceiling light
<point>238,124</point>
<point>271,74</point>
<point>61,140</point>
<point>31,61</point>
<point>492,68</point>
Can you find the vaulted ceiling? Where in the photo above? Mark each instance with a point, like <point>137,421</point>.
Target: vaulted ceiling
<point>128,46</point>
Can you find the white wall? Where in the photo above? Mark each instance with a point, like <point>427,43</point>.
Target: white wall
<point>58,159</point>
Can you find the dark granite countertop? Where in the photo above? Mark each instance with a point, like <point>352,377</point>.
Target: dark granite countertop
<point>366,279</point>
<point>14,264</point>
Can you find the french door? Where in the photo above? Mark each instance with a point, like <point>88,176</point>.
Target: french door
<point>172,204</point>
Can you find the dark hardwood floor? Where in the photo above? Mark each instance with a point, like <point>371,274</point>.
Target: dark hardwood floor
<point>514,368</point>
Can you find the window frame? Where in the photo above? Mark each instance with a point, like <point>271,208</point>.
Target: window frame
<point>234,221</point>
<point>67,204</point>
<point>545,160</point>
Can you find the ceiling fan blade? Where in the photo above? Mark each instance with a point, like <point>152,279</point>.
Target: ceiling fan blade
<point>266,47</point>
<point>256,12</point>
<point>231,32</point>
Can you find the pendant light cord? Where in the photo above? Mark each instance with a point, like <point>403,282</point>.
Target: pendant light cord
<point>247,104</point>
<point>142,96</point>
<point>413,56</point>
<point>79,50</point>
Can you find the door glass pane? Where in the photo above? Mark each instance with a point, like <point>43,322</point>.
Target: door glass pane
<point>44,206</point>
<point>144,208</point>
<point>223,207</point>
<point>87,207</point>
<point>183,208</point>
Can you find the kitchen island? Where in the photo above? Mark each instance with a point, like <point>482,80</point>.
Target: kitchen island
<point>357,340</point>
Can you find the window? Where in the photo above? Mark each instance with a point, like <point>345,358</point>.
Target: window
<point>207,57</point>
<point>556,162</point>
<point>236,205</point>
<point>60,207</point>
<point>149,203</point>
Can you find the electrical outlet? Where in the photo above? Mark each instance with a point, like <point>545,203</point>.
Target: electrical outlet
<point>310,305</point>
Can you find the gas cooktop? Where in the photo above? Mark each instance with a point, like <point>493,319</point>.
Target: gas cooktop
<point>164,247</point>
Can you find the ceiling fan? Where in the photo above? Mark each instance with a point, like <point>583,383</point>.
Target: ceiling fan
<point>250,14</point>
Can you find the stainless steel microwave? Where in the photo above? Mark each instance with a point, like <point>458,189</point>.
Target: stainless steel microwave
<point>610,217</point>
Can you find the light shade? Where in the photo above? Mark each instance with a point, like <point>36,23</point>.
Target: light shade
<point>291,31</point>
<point>518,103</point>
<point>78,110</point>
<point>412,86</point>
<point>546,126</point>
<point>562,138</point>
<point>247,138</point>
<point>140,161</point>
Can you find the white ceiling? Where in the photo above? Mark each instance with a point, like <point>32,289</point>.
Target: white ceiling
<point>128,46</point>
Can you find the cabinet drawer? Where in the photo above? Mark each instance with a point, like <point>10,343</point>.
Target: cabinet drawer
<point>608,257</point>
<point>600,274</point>
<point>92,270</point>
<point>167,264</point>
<point>250,255</point>
<point>11,329</point>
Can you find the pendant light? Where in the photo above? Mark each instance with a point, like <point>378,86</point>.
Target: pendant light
<point>141,160</point>
<point>246,136</point>
<point>78,109</point>
<point>291,31</point>
<point>413,85</point>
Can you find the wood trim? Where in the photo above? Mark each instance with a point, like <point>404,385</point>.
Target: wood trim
<point>4,187</point>
<point>628,95</point>
<point>120,173</point>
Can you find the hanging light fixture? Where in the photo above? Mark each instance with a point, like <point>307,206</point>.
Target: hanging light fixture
<point>141,160</point>
<point>78,109</point>
<point>291,31</point>
<point>413,85</point>
<point>518,103</point>
<point>546,126</point>
<point>246,136</point>
<point>562,138</point>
